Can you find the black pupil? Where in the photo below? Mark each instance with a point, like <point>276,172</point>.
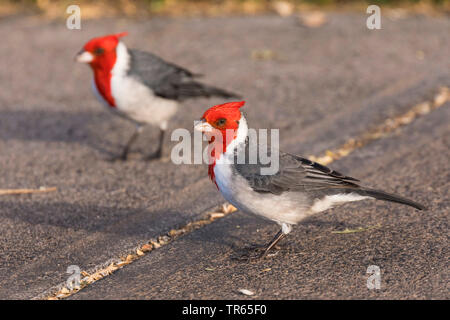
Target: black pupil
<point>99,51</point>
<point>221,122</point>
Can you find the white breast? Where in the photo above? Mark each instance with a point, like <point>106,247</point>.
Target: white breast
<point>133,98</point>
<point>286,208</point>
<point>224,181</point>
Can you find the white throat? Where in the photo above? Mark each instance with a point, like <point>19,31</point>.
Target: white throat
<point>241,135</point>
<point>122,61</point>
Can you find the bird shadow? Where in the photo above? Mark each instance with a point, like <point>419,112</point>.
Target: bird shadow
<point>97,130</point>
<point>89,217</point>
<point>247,247</point>
<point>100,131</point>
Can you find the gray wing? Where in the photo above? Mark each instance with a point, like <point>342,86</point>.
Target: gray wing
<point>295,174</point>
<point>302,175</point>
<point>169,80</point>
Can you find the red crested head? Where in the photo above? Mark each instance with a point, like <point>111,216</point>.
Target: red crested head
<point>106,43</point>
<point>224,116</point>
<point>220,124</point>
<point>100,53</point>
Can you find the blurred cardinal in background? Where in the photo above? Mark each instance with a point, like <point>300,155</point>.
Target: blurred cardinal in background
<point>140,86</point>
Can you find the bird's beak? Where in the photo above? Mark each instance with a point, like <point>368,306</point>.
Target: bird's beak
<point>203,127</point>
<point>84,57</point>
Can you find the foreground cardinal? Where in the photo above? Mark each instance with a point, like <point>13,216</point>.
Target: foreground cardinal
<point>139,85</point>
<point>298,189</point>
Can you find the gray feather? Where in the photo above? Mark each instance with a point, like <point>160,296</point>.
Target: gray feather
<point>298,174</point>
<point>168,80</point>
<point>295,174</point>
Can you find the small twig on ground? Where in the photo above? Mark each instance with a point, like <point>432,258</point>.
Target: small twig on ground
<point>26,191</point>
<point>359,229</point>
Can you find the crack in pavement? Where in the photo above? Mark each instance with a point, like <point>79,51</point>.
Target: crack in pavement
<point>381,131</point>
<point>384,129</point>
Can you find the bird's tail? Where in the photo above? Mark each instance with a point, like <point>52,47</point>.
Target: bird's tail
<point>381,195</point>
<point>195,88</point>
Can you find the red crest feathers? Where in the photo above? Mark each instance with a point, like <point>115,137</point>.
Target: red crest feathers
<point>122,34</point>
<point>230,109</point>
<point>236,104</point>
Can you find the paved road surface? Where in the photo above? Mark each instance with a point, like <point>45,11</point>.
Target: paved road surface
<point>322,87</point>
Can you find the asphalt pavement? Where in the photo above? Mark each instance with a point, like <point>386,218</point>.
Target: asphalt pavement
<point>319,86</point>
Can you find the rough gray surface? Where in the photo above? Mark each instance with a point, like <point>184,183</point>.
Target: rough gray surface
<point>409,246</point>
<point>324,86</point>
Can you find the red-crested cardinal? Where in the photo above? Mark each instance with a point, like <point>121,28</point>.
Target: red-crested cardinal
<point>140,86</point>
<point>298,189</point>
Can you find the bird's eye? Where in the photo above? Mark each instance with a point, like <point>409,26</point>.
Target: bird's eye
<point>99,51</point>
<point>221,122</point>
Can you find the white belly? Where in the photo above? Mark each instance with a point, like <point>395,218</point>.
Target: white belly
<point>288,207</point>
<point>138,102</point>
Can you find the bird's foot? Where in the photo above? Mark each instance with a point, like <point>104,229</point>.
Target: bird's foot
<point>254,253</point>
<point>154,156</point>
<point>119,157</point>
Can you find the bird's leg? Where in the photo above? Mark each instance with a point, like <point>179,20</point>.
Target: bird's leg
<point>280,235</point>
<point>256,254</point>
<point>285,229</point>
<point>158,153</point>
<point>126,149</point>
